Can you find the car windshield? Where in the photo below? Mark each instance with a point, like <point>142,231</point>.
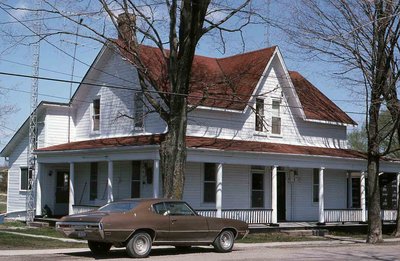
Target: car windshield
<point>119,206</point>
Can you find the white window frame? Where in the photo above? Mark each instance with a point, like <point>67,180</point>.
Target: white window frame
<point>92,115</point>
<point>276,113</point>
<point>20,178</point>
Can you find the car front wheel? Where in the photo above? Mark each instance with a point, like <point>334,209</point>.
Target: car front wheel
<point>224,242</point>
<point>139,245</point>
<point>99,248</point>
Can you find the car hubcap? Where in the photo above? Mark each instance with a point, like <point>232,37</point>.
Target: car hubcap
<point>141,245</point>
<point>226,240</point>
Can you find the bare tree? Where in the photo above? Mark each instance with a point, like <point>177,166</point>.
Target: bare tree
<point>362,37</point>
<point>175,28</point>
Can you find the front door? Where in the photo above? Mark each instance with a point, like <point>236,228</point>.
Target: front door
<point>62,193</point>
<point>281,204</point>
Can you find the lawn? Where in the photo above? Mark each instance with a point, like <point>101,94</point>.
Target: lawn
<point>9,241</point>
<point>22,228</point>
<point>277,237</point>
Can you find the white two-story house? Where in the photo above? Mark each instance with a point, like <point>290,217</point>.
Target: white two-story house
<point>270,147</point>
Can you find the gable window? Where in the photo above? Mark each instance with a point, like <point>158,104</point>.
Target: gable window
<point>315,185</point>
<point>209,183</point>
<point>139,109</point>
<point>96,114</point>
<point>135,181</point>
<point>276,117</point>
<point>25,176</point>
<point>93,180</point>
<point>259,115</point>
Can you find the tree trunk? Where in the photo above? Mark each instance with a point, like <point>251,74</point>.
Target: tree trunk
<point>173,150</point>
<point>374,208</point>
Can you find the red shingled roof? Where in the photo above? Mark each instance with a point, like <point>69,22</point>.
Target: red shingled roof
<point>229,82</point>
<point>315,104</point>
<point>207,143</point>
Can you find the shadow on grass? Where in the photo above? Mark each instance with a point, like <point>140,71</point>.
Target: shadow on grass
<point>121,253</point>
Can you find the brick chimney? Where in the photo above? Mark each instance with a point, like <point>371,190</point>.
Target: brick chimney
<point>127,27</point>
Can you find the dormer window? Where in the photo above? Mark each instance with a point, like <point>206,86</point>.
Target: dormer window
<point>96,114</point>
<point>139,110</point>
<point>259,115</point>
<point>276,117</point>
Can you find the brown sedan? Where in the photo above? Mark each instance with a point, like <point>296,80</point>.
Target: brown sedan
<point>137,224</point>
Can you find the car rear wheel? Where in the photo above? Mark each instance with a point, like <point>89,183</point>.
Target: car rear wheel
<point>99,248</point>
<point>224,242</point>
<point>139,245</point>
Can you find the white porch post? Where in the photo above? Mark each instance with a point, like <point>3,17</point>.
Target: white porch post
<point>110,195</point>
<point>156,178</point>
<point>363,206</point>
<point>38,189</point>
<point>349,190</point>
<point>321,202</point>
<point>274,196</point>
<point>218,190</point>
<point>71,188</point>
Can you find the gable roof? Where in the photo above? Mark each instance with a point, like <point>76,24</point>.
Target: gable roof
<point>226,83</point>
<point>315,104</point>
<point>24,128</point>
<point>229,83</point>
<point>207,143</point>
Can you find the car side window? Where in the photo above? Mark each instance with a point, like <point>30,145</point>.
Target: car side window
<point>159,208</point>
<point>179,209</point>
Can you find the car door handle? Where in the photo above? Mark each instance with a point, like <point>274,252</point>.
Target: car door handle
<point>174,220</point>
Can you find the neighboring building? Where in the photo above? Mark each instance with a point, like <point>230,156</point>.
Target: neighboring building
<point>265,146</point>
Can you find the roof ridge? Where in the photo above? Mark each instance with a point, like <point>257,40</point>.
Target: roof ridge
<point>250,52</point>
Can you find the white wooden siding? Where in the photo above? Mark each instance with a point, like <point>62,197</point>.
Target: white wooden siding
<point>56,125</point>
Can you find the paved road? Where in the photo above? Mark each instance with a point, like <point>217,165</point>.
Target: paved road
<point>387,251</point>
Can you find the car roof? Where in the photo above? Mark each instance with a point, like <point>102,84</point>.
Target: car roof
<point>148,200</point>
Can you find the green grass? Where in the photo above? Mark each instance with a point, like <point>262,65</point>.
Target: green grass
<point>356,235</point>
<point>3,208</point>
<point>9,224</point>
<point>9,241</point>
<point>276,237</point>
<point>22,228</point>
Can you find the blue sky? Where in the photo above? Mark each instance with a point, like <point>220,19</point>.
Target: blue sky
<point>19,60</point>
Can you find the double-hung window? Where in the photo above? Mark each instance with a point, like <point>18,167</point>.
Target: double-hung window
<point>276,117</point>
<point>315,185</point>
<point>139,110</point>
<point>25,176</point>
<point>209,183</point>
<point>96,114</point>
<point>259,115</point>
<point>93,180</point>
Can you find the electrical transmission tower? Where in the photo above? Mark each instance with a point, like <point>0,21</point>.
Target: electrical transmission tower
<point>32,177</point>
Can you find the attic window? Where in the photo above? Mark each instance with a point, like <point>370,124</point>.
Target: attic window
<point>96,115</point>
<point>139,110</point>
<point>259,115</point>
<point>276,117</point>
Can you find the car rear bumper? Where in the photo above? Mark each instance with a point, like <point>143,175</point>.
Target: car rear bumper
<point>81,230</point>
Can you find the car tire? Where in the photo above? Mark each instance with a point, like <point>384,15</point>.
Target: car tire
<point>139,245</point>
<point>224,241</point>
<point>99,248</point>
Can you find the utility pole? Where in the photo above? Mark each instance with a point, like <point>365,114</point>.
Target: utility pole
<point>267,27</point>
<point>32,177</point>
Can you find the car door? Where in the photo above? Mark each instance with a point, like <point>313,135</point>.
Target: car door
<point>161,222</point>
<point>185,225</point>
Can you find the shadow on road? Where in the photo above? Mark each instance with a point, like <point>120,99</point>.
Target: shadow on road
<point>121,253</point>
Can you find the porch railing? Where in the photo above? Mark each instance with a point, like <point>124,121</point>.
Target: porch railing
<point>354,215</point>
<point>250,216</point>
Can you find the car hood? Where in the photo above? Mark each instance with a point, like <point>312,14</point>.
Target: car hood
<point>92,216</point>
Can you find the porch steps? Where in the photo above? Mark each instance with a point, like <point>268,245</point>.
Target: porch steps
<point>306,232</point>
<point>37,224</point>
<point>48,222</point>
